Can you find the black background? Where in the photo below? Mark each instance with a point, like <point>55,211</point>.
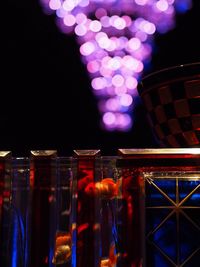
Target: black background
<point>44,107</point>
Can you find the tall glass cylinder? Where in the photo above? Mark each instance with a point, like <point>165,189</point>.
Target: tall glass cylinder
<point>5,204</point>
<point>43,204</point>
<point>85,208</point>
<point>130,213</point>
<point>97,211</point>
<point>107,193</point>
<point>19,224</point>
<point>65,223</point>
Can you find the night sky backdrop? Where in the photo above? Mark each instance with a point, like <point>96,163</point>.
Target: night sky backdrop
<point>44,107</point>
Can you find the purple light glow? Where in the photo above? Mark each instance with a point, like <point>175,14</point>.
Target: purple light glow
<point>116,38</point>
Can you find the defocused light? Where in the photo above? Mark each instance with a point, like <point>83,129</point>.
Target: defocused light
<point>115,47</point>
<point>114,63</point>
<point>112,45</point>
<point>162,5</point>
<point>126,100</point>
<point>124,121</point>
<point>131,82</point>
<point>104,71</point>
<point>112,104</point>
<point>127,20</point>
<point>54,4</point>
<point>60,13</point>
<point>119,23</point>
<point>93,66</point>
<point>69,20</point>
<point>95,26</point>
<point>120,90</point>
<point>80,30</point>
<point>118,80</point>
<point>81,18</point>
<point>105,21</point>
<point>103,41</point>
<point>141,2</point>
<point>98,83</point>
<point>141,35</point>
<point>149,28</point>
<point>109,118</point>
<point>68,5</point>
<point>100,12</point>
<point>84,3</point>
<point>134,43</point>
<point>87,48</point>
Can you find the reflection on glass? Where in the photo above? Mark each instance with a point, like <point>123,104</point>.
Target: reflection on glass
<point>172,217</point>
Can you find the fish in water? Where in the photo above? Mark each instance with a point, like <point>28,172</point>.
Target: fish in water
<point>63,248</point>
<point>111,261</point>
<point>106,188</point>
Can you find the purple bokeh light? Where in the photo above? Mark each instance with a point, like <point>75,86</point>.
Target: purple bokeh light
<point>116,39</point>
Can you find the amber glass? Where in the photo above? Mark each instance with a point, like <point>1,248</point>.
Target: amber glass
<point>85,210</point>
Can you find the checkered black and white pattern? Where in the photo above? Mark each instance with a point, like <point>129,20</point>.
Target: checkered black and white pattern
<point>174,111</point>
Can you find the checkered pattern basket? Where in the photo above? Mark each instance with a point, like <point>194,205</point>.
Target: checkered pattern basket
<point>172,100</point>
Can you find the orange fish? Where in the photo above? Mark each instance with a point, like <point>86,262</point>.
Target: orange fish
<point>63,248</point>
<point>107,188</point>
<point>111,261</point>
<point>84,181</point>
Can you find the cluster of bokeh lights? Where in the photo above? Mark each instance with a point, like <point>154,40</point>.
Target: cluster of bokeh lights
<point>116,40</point>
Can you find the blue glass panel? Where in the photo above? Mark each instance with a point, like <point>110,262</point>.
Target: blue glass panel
<point>168,186</point>
<point>14,244</point>
<point>160,260</point>
<point>194,261</point>
<point>166,237</point>
<point>17,246</point>
<point>155,258</point>
<point>194,215</point>
<point>189,238</point>
<point>194,199</point>
<point>154,197</point>
<point>154,217</point>
<point>185,187</point>
<point>182,232</point>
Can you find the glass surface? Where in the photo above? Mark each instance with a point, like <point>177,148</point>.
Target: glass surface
<point>18,243</point>
<point>5,205</point>
<point>64,221</point>
<point>169,74</point>
<point>108,201</point>
<point>172,204</point>
<point>171,98</point>
<point>130,214</point>
<point>43,178</point>
<point>139,209</point>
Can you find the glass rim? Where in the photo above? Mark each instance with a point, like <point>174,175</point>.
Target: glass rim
<point>169,74</point>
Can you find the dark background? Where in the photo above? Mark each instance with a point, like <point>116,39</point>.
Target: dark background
<point>44,107</point>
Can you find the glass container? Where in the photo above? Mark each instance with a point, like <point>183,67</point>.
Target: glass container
<point>171,97</point>
<point>5,204</point>
<point>169,189</point>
